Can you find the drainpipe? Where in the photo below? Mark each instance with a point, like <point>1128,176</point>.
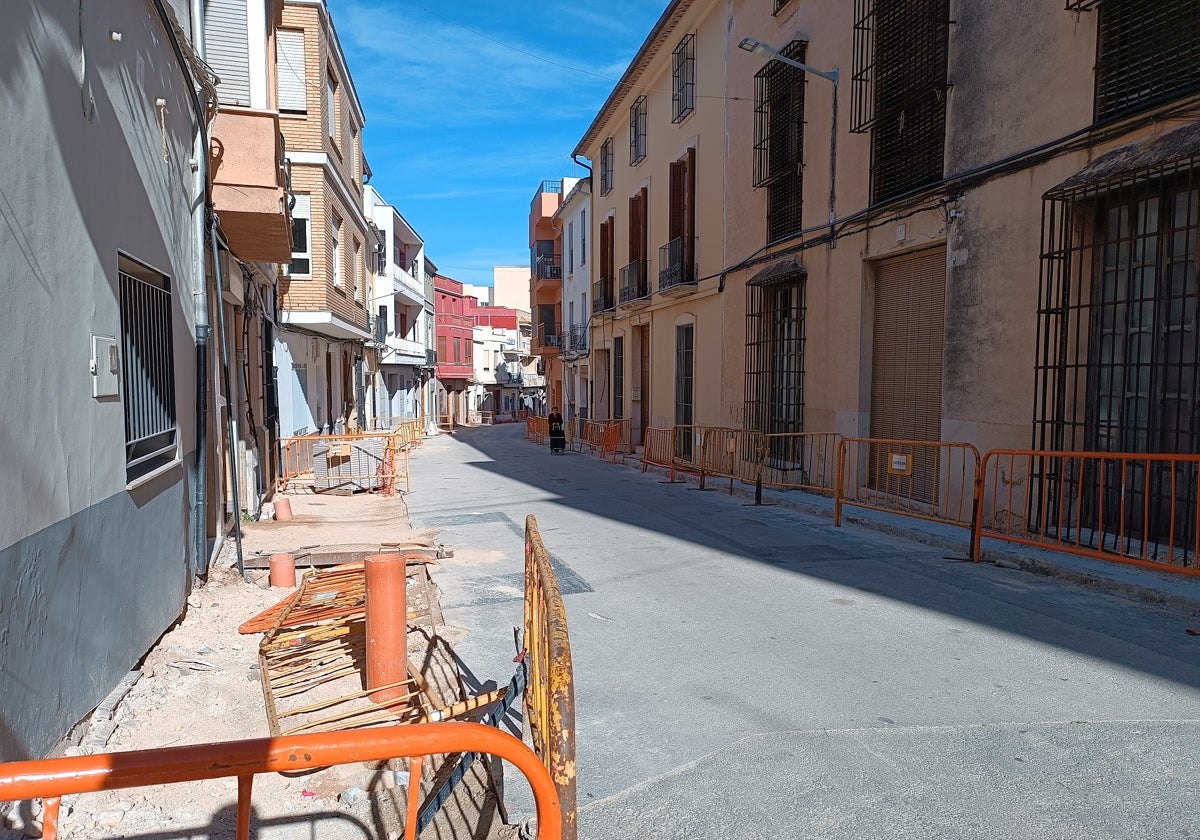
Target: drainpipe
<point>575,160</point>
<point>200,211</point>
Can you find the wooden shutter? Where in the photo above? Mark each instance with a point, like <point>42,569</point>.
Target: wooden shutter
<point>289,70</point>
<point>635,226</point>
<point>643,224</point>
<point>227,49</point>
<point>689,215</point>
<point>677,209</point>
<point>906,365</point>
<point>606,249</point>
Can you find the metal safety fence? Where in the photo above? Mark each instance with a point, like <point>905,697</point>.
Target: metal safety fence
<point>537,428</point>
<point>932,480</point>
<point>550,691</point>
<point>1140,509</point>
<point>375,461</point>
<point>659,450</point>
<point>51,779</point>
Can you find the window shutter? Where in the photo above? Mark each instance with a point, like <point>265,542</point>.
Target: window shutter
<point>644,225</point>
<point>227,49</point>
<point>676,200</point>
<point>635,224</point>
<point>289,70</point>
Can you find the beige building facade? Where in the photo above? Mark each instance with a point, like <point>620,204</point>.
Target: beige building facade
<point>658,153</point>
<point>954,242</point>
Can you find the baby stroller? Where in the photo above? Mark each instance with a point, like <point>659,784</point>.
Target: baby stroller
<point>558,437</point>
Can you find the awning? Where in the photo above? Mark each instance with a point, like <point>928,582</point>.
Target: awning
<point>785,271</point>
<point>1142,160</point>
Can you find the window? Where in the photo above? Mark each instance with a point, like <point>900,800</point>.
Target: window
<point>356,157</point>
<point>356,283</point>
<point>637,131</point>
<point>1119,366</point>
<point>779,141</point>
<point>618,377</point>
<point>301,263</point>
<point>899,90</point>
<point>335,235</point>
<point>779,4</point>
<point>1148,53</point>
<point>441,348</point>
<point>147,368</point>
<point>606,166</point>
<point>685,335</point>
<point>683,79</point>
<point>571,247</point>
<point>331,106</point>
<point>457,350</point>
<point>775,361</point>
<point>633,279</point>
<point>290,90</point>
<point>226,49</point>
<point>677,259</point>
<point>582,238</point>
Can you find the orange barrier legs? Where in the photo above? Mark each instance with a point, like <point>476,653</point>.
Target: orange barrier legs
<point>387,625</point>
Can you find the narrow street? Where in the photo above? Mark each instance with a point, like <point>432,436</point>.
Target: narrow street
<point>755,672</point>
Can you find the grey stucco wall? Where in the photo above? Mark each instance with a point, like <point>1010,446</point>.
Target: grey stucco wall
<point>90,572</point>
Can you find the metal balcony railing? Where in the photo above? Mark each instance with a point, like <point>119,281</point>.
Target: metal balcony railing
<point>602,295</point>
<point>550,335</point>
<point>430,358</point>
<point>549,267</point>
<point>578,337</point>
<point>633,282</point>
<point>676,267</point>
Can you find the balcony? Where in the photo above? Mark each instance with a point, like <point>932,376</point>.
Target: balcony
<point>634,286</point>
<point>677,267</point>
<point>577,339</point>
<point>430,358</point>
<point>449,319</point>
<point>404,351</point>
<point>549,339</point>
<point>602,296</point>
<point>548,267</point>
<point>407,286</point>
<point>250,183</point>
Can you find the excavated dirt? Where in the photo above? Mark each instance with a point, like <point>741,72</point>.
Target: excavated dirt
<point>201,684</point>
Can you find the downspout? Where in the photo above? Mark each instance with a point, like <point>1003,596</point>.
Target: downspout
<point>575,160</point>
<point>200,212</point>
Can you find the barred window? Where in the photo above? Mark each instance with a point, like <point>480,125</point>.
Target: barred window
<point>147,368</point>
<point>775,336</point>
<point>1148,53</point>
<point>779,4</point>
<point>606,166</point>
<point>637,131</point>
<point>683,79</point>
<point>618,378</point>
<point>779,140</point>
<point>899,90</point>
<point>1118,318</point>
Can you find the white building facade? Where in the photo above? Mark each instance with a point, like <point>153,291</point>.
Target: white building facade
<point>573,217</point>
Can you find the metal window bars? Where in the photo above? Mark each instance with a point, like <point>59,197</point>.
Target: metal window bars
<point>147,369</point>
<point>1148,53</point>
<point>775,338</point>
<point>683,78</point>
<point>637,131</point>
<point>606,166</point>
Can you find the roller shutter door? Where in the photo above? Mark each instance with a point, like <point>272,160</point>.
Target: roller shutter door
<point>906,364</point>
<point>227,50</point>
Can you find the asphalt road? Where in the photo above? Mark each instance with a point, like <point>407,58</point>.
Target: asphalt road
<point>757,673</point>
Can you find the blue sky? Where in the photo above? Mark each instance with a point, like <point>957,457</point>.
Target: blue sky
<point>462,129</point>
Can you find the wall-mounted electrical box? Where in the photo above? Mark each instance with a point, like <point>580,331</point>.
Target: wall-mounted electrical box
<point>106,366</point>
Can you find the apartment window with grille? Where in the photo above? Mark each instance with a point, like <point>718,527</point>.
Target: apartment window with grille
<point>606,166</point>
<point>685,381</point>
<point>1148,52</point>
<point>1118,364</point>
<point>637,131</point>
<point>147,368</point>
<point>618,377</point>
<point>775,336</point>
<point>683,79</point>
<point>898,90</point>
<point>301,264</point>
<point>335,246</point>
<point>779,141</point>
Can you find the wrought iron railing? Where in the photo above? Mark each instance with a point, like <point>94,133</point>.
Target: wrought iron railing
<point>675,265</point>
<point>549,267</point>
<point>634,284</point>
<point>578,337</point>
<point>602,295</point>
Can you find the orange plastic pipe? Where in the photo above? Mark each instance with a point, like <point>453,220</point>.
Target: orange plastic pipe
<point>387,625</point>
<point>54,777</point>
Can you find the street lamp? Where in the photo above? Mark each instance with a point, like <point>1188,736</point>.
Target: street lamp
<point>753,45</point>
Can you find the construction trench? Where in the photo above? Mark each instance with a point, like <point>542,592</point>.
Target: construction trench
<point>357,643</point>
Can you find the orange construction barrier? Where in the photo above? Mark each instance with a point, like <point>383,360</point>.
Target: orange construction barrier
<point>52,778</point>
<point>660,450</point>
<point>1134,508</point>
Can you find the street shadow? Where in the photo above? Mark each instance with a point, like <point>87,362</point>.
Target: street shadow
<point>1049,611</point>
